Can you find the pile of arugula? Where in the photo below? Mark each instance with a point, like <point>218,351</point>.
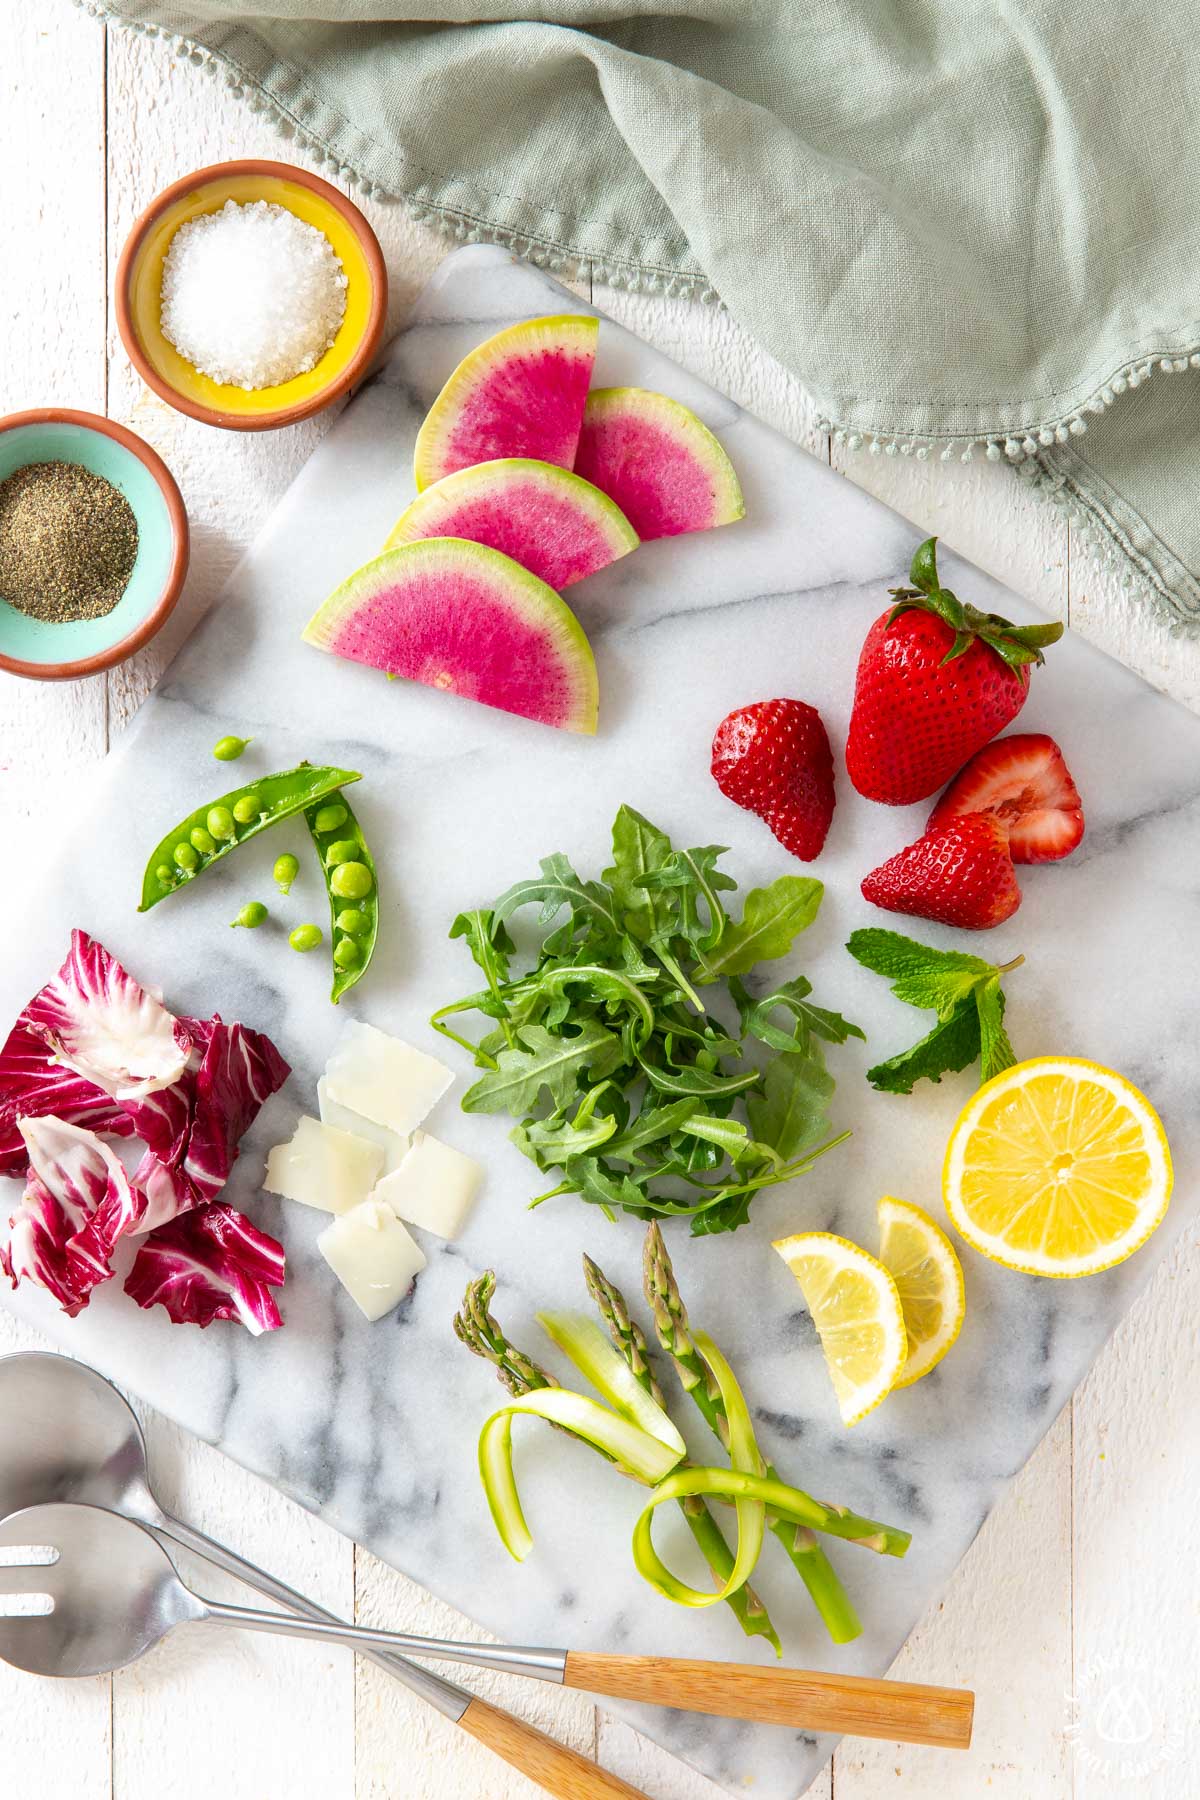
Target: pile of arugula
<point>608,1051</point>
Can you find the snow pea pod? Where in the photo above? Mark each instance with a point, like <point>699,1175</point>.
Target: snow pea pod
<point>250,809</point>
<point>350,875</point>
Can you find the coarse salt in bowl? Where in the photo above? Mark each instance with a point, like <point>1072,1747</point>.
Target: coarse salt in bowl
<point>283,297</point>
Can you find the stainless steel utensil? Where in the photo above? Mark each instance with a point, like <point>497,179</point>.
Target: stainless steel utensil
<point>67,1434</point>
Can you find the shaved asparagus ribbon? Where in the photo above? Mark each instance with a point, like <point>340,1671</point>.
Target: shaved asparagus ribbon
<point>634,1432</point>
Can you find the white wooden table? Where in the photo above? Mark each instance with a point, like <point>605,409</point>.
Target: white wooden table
<point>1076,1613</point>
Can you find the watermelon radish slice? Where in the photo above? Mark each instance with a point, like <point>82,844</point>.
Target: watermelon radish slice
<point>553,523</point>
<point>665,470</point>
<point>463,617</point>
<point>521,393</point>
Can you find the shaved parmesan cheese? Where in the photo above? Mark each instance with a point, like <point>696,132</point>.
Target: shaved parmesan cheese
<point>372,1256</point>
<point>384,1079</point>
<point>394,1146</point>
<point>434,1187</point>
<point>324,1167</point>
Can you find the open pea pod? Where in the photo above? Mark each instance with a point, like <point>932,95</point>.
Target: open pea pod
<point>352,885</point>
<point>217,828</point>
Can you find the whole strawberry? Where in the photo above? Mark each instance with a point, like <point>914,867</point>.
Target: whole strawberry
<point>961,874</point>
<point>774,759</point>
<point>936,681</point>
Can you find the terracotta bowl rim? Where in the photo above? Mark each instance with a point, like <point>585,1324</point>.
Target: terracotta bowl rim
<point>302,409</point>
<point>180,540</point>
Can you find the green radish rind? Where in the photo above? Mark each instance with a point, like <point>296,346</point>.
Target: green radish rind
<point>281,796</point>
<point>344,979</point>
<point>535,606</point>
<point>484,479</point>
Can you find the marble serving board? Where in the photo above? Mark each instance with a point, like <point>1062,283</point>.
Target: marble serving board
<point>375,1426</point>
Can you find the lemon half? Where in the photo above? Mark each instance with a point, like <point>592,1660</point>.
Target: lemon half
<point>1057,1167</point>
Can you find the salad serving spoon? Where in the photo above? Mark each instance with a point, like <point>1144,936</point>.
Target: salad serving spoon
<point>68,1435</point>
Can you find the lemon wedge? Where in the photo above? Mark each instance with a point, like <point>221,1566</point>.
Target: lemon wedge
<point>856,1309</point>
<point>929,1279</point>
<point>1057,1167</point>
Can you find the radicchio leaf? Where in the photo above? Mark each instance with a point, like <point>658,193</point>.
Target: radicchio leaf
<point>33,1084</point>
<point>77,1203</point>
<point>103,1024</point>
<point>210,1263</point>
<point>241,1069</point>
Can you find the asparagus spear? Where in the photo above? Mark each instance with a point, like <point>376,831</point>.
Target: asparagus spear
<point>671,1326</point>
<point>475,1327</point>
<point>630,1340</point>
<point>799,1542</point>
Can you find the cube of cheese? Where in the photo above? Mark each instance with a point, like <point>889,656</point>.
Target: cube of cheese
<point>324,1167</point>
<point>394,1147</point>
<point>372,1256</point>
<point>434,1187</point>
<point>384,1079</point>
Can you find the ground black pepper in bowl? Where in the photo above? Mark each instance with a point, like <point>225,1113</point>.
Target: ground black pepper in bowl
<point>68,542</point>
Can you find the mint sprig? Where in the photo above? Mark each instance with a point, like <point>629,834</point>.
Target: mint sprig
<point>965,993</point>
<point>631,1053</point>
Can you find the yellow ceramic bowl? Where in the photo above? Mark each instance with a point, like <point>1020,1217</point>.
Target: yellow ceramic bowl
<point>139,286</point>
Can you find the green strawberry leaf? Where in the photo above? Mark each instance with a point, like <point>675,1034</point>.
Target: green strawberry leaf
<point>772,919</point>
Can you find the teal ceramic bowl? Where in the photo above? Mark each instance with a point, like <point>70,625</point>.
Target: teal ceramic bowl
<point>67,652</point>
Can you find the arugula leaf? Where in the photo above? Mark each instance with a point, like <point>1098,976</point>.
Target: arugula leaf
<point>810,1021</point>
<point>695,876</point>
<point>557,887</point>
<point>639,848</point>
<point>772,919</point>
<point>951,1045</point>
<point>553,1063</point>
<point>964,991</point>
<point>549,1141</point>
<point>791,1114</point>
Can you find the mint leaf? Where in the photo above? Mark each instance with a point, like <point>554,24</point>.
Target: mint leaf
<point>542,1061</point>
<point>995,1051</point>
<point>792,1112</point>
<point>920,975</point>
<point>951,1045</point>
<point>772,919</point>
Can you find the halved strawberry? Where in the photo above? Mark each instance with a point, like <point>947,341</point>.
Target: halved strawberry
<point>959,875</point>
<point>1025,783</point>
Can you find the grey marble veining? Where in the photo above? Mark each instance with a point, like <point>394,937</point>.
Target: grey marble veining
<point>375,1426</point>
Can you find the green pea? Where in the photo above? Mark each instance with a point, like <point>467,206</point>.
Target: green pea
<point>286,870</point>
<point>204,842</point>
<point>220,822</point>
<point>187,859</point>
<point>330,818</point>
<point>351,920</point>
<point>344,851</point>
<point>246,810</point>
<point>164,874</point>
<point>351,881</point>
<point>251,915</point>
<point>346,953</point>
<point>305,937</point>
<point>228,749</point>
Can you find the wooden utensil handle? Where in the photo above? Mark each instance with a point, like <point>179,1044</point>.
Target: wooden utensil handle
<point>901,1711</point>
<point>562,1772</point>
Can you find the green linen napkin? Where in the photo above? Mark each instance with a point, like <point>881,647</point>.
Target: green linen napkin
<point>969,226</point>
